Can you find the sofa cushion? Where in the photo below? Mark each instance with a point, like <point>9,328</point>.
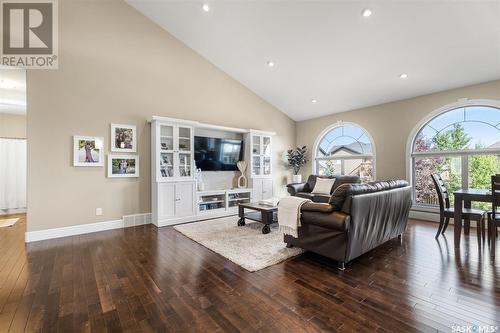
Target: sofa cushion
<point>323,186</point>
<point>355,189</point>
<point>334,220</point>
<point>316,207</point>
<point>323,198</point>
<point>304,195</point>
<point>339,196</point>
<point>311,181</point>
<point>341,180</point>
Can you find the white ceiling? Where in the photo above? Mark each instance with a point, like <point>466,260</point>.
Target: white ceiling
<point>13,99</point>
<point>326,50</point>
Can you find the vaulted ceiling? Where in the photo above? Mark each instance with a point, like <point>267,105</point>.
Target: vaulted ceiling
<point>327,51</point>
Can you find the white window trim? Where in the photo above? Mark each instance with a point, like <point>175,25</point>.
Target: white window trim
<point>339,124</point>
<point>463,102</point>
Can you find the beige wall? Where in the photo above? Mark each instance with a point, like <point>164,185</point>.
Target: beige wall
<point>390,125</point>
<point>117,66</point>
<point>12,126</point>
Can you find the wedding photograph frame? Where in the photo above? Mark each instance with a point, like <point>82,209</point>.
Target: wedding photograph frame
<point>123,138</point>
<point>123,166</point>
<point>88,151</point>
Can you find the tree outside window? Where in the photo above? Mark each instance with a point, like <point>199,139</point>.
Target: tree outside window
<point>463,145</point>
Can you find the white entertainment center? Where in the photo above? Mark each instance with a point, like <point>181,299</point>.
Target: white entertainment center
<point>175,198</point>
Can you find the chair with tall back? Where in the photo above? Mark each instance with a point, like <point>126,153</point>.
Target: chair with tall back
<point>445,212</point>
<point>494,215</point>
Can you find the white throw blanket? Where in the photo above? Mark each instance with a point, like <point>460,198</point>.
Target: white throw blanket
<point>289,215</point>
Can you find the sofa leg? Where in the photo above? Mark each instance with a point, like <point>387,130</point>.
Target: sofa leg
<point>289,246</point>
<point>341,265</point>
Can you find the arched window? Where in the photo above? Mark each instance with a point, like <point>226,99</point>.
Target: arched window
<point>461,144</point>
<point>345,149</point>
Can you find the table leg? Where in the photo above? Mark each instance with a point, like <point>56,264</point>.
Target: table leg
<point>267,219</point>
<point>467,204</point>
<point>241,214</point>
<point>457,221</point>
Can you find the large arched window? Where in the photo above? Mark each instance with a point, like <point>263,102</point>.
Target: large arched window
<point>462,144</point>
<point>345,149</point>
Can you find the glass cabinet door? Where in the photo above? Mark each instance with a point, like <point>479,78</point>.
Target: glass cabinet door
<point>185,160</point>
<point>167,138</point>
<point>266,152</point>
<point>266,146</point>
<point>166,165</point>
<point>256,149</point>
<point>256,165</point>
<point>184,139</point>
<point>266,166</point>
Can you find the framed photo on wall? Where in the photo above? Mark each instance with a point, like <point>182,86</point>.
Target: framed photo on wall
<point>123,138</point>
<point>123,166</point>
<point>88,151</point>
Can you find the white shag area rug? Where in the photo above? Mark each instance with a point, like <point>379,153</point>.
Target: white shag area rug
<point>246,246</point>
<point>8,222</point>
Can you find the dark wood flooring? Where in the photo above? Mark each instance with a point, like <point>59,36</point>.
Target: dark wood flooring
<point>145,279</point>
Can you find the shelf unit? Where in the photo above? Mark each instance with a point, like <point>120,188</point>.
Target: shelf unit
<point>260,155</point>
<point>173,185</point>
<point>215,202</point>
<point>174,152</point>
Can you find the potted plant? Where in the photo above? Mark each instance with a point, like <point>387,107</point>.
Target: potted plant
<point>296,159</point>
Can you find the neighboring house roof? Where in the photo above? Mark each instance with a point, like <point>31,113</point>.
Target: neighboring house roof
<point>495,145</point>
<point>356,148</point>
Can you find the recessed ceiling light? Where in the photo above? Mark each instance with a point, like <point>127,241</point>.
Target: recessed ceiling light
<point>206,7</point>
<point>367,12</point>
<point>403,76</point>
<point>270,64</point>
<point>6,84</point>
<point>314,101</point>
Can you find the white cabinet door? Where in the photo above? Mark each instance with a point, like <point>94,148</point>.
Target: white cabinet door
<point>257,189</point>
<point>266,155</point>
<point>184,199</point>
<point>267,188</point>
<point>166,200</point>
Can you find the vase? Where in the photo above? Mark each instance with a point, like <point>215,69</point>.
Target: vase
<point>297,179</point>
<point>242,180</point>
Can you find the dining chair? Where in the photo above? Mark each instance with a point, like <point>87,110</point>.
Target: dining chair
<point>446,212</point>
<point>494,215</point>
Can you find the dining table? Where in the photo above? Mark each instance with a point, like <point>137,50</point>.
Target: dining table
<point>463,199</point>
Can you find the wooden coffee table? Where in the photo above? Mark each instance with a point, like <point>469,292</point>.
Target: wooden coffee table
<point>264,214</point>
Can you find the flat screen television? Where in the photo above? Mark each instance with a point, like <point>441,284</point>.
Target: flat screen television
<point>214,154</point>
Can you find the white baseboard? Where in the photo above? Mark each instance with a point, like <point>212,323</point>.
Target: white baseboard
<point>423,215</point>
<point>125,222</point>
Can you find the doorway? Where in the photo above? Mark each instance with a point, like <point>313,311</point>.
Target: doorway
<point>13,146</point>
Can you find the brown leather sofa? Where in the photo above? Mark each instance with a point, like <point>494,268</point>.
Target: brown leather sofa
<point>357,218</point>
<point>304,190</point>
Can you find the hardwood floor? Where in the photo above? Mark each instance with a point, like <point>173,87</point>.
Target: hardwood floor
<point>145,279</point>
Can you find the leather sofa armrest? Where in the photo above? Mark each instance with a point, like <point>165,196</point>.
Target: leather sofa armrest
<point>317,207</point>
<point>295,188</point>
<point>340,220</point>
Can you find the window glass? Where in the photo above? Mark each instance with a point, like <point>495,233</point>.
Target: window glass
<point>437,146</point>
<point>337,151</point>
<point>464,128</point>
